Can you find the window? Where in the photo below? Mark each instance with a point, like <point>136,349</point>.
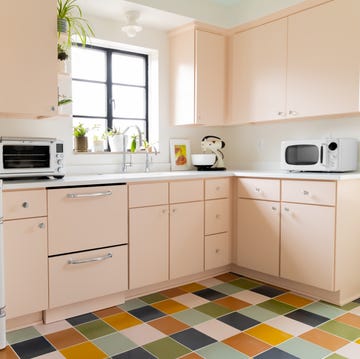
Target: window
<point>109,89</point>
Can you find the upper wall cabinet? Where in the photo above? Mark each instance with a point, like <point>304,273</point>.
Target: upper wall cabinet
<point>28,62</point>
<point>305,65</point>
<point>197,75</point>
<point>258,73</point>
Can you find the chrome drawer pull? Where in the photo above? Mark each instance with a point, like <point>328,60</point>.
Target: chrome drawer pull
<point>26,205</point>
<point>86,195</point>
<point>88,260</point>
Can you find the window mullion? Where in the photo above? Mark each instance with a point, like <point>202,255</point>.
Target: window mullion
<point>109,88</point>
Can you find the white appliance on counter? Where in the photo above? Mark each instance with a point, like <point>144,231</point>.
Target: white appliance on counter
<point>2,285</point>
<point>322,155</point>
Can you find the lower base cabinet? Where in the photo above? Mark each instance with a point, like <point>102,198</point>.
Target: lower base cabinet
<point>186,239</point>
<point>26,274</point>
<point>308,244</point>
<point>148,245</point>
<point>81,276</point>
<point>258,235</point>
<point>217,250</point>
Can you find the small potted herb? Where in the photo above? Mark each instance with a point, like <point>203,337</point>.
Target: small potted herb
<point>117,141</point>
<point>80,138</point>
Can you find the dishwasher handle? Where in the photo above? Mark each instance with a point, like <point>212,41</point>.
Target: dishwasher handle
<point>89,195</point>
<point>89,260</point>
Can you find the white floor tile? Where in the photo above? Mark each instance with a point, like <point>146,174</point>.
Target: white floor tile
<point>289,325</point>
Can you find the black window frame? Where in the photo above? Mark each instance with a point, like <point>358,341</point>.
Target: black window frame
<point>109,100</point>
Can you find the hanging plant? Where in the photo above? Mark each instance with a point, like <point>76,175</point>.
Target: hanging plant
<point>69,12</point>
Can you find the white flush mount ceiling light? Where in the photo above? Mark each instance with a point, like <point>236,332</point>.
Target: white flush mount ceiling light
<point>131,28</point>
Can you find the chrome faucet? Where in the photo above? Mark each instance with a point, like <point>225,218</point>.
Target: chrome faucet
<point>148,159</point>
<point>124,164</point>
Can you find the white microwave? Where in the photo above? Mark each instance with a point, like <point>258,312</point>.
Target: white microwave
<point>31,157</point>
<point>323,155</point>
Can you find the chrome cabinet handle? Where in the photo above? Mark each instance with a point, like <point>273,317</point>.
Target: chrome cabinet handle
<point>281,113</point>
<point>257,189</point>
<point>286,209</point>
<point>88,260</point>
<point>306,193</point>
<point>41,225</point>
<point>89,195</point>
<point>273,208</point>
<point>293,113</point>
<point>26,204</point>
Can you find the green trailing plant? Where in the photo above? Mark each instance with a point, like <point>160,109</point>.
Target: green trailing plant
<point>62,53</point>
<point>70,11</point>
<point>79,130</point>
<point>113,131</point>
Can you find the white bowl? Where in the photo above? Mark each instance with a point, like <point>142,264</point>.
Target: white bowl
<point>203,159</point>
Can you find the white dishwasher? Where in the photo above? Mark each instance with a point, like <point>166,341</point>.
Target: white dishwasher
<point>2,285</point>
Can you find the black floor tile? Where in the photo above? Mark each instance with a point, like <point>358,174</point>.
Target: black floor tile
<point>209,294</point>
<point>268,291</point>
<point>80,319</point>
<point>146,313</point>
<point>275,353</point>
<point>137,353</point>
<point>193,339</point>
<point>238,321</point>
<point>306,317</point>
<point>32,348</point>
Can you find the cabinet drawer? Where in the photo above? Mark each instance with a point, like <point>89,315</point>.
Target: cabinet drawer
<point>259,188</point>
<point>311,192</point>
<point>217,250</point>
<point>217,216</point>
<point>217,188</point>
<point>93,274</point>
<point>186,191</point>
<point>148,194</point>
<point>24,204</point>
<point>87,218</point>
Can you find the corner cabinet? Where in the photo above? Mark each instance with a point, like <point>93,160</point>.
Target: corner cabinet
<point>28,66</point>
<point>197,75</point>
<point>304,65</point>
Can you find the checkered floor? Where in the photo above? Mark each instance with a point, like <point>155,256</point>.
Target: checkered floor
<point>223,317</point>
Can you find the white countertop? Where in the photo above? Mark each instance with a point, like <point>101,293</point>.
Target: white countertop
<point>98,179</point>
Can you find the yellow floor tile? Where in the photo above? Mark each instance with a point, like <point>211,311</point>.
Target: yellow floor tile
<point>169,306</point>
<point>294,300</point>
<point>83,351</point>
<point>192,287</point>
<point>122,321</point>
<point>268,334</point>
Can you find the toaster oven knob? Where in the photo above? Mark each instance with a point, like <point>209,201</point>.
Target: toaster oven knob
<point>332,146</point>
<point>59,162</point>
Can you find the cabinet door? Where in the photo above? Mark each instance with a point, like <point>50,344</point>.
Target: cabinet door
<point>210,78</point>
<point>217,250</point>
<point>26,273</point>
<point>258,242</point>
<point>323,59</point>
<point>148,245</point>
<point>28,66</point>
<point>186,239</point>
<point>83,218</point>
<point>258,73</point>
<point>308,244</point>
<point>217,216</point>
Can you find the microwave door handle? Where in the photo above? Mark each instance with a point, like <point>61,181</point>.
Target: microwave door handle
<point>323,157</point>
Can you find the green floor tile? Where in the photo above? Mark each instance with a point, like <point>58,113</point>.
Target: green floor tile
<point>349,306</point>
<point>132,304</point>
<point>212,309</point>
<point>335,356</point>
<point>20,335</point>
<point>277,307</point>
<point>227,288</point>
<point>245,283</point>
<point>304,349</point>
<point>258,313</point>
<point>191,317</point>
<point>341,330</point>
<point>115,343</point>
<point>166,348</point>
<point>220,350</point>
<point>325,310</point>
<point>95,329</point>
<point>153,298</point>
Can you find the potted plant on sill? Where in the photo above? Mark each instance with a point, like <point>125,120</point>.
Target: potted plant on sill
<point>117,142</point>
<point>80,138</point>
<point>62,58</point>
<point>71,22</point>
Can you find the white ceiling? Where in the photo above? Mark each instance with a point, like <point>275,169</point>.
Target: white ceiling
<point>149,17</point>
